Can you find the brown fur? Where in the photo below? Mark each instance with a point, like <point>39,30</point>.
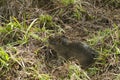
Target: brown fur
<point>67,49</point>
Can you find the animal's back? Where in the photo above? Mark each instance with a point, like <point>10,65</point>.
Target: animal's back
<point>83,53</point>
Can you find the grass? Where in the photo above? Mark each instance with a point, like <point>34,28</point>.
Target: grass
<point>67,2</point>
<point>109,41</point>
<point>24,43</point>
<point>114,3</point>
<point>15,33</point>
<point>75,72</point>
<point>4,58</point>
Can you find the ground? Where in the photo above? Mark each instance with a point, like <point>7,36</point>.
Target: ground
<point>26,25</point>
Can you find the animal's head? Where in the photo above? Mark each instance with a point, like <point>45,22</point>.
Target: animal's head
<point>58,40</point>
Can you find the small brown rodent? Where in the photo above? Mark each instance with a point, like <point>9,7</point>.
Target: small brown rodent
<point>67,49</point>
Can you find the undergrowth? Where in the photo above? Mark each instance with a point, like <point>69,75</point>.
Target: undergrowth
<point>23,41</point>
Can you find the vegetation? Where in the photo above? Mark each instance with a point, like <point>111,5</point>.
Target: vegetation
<point>26,25</point>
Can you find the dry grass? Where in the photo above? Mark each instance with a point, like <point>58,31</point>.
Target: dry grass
<point>26,25</point>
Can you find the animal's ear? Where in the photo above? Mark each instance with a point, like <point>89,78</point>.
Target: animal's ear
<point>63,36</point>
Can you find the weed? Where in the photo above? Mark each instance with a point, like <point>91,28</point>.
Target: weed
<point>93,71</point>
<point>11,32</point>
<point>45,18</point>
<point>111,3</point>
<point>106,51</point>
<point>4,61</point>
<point>15,33</point>
<point>4,58</point>
<point>117,77</point>
<point>76,73</point>
<point>48,26</point>
<point>101,36</point>
<point>21,60</point>
<point>27,33</point>
<point>46,21</point>
<point>67,2</point>
<point>35,74</point>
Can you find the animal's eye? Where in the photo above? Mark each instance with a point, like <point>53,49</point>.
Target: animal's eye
<point>59,41</point>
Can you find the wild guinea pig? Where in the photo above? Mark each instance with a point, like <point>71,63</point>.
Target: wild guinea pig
<point>78,50</point>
